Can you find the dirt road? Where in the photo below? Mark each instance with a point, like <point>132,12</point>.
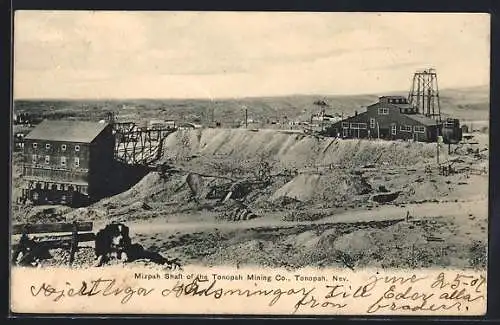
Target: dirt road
<point>462,209</point>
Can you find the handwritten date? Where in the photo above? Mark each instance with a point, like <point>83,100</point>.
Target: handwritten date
<point>380,294</point>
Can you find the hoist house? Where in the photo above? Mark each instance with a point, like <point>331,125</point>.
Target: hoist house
<point>391,118</point>
<point>67,162</point>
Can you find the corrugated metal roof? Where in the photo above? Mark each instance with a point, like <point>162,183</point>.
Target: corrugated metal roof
<point>427,121</point>
<point>69,131</point>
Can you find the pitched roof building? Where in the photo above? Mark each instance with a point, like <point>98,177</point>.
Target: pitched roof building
<point>68,161</point>
<point>67,131</point>
<point>392,118</point>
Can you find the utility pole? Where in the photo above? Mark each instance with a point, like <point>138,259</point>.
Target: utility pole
<point>437,142</point>
<point>246,117</point>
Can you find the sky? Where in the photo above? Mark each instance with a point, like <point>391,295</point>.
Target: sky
<point>118,55</point>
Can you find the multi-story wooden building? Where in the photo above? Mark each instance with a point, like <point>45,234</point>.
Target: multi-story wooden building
<point>68,162</point>
<point>392,117</point>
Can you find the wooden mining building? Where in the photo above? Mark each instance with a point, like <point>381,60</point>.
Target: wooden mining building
<point>391,118</point>
<point>67,161</point>
<point>76,163</point>
<point>416,117</point>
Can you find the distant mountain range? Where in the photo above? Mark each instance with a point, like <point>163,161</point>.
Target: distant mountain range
<point>466,103</point>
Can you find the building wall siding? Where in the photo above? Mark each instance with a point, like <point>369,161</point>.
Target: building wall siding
<point>54,169</point>
<point>95,162</point>
<point>101,163</point>
<point>386,126</point>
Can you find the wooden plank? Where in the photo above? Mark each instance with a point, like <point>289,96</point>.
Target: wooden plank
<point>63,240</point>
<point>50,227</point>
<point>74,243</point>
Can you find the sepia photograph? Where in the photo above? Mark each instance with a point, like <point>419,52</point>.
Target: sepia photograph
<point>354,142</point>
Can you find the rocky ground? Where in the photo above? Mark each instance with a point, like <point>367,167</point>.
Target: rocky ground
<point>299,201</point>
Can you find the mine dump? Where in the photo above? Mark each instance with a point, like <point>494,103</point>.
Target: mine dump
<point>398,186</point>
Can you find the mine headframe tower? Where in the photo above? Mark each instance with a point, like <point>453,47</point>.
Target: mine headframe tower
<point>424,94</point>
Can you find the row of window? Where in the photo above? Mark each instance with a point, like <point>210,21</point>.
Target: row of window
<point>408,128</point>
<point>407,110</point>
<point>397,101</point>
<point>63,146</point>
<point>355,126</point>
<point>62,187</point>
<point>63,160</point>
<point>404,128</point>
<point>385,110</point>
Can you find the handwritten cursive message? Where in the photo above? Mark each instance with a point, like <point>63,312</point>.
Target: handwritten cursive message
<point>312,292</point>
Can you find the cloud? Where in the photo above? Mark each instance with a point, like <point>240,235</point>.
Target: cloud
<point>116,54</point>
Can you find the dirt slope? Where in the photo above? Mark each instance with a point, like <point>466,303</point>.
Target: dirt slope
<point>292,149</point>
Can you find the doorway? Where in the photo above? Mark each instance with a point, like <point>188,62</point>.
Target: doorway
<point>384,133</point>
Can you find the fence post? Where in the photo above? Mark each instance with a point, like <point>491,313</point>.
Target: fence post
<point>74,243</point>
<point>413,255</point>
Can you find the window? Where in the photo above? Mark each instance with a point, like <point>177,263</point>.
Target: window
<point>47,146</point>
<point>47,160</point>
<point>77,148</point>
<point>358,126</point>
<point>34,159</point>
<point>393,129</point>
<point>345,133</point>
<point>63,147</point>
<point>77,162</point>
<point>63,161</point>
<point>35,145</point>
<point>383,111</point>
<point>419,129</point>
<point>345,125</point>
<point>405,128</point>
<point>372,123</point>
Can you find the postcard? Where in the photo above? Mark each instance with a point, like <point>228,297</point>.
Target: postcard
<point>256,163</point>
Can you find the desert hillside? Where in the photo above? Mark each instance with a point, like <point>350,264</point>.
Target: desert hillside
<point>466,104</point>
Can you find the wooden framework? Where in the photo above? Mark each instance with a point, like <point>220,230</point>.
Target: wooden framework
<point>424,94</point>
<point>136,146</point>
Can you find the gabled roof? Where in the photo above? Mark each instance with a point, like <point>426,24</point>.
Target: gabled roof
<point>69,131</point>
<point>392,97</point>
<point>427,121</point>
<point>394,105</point>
